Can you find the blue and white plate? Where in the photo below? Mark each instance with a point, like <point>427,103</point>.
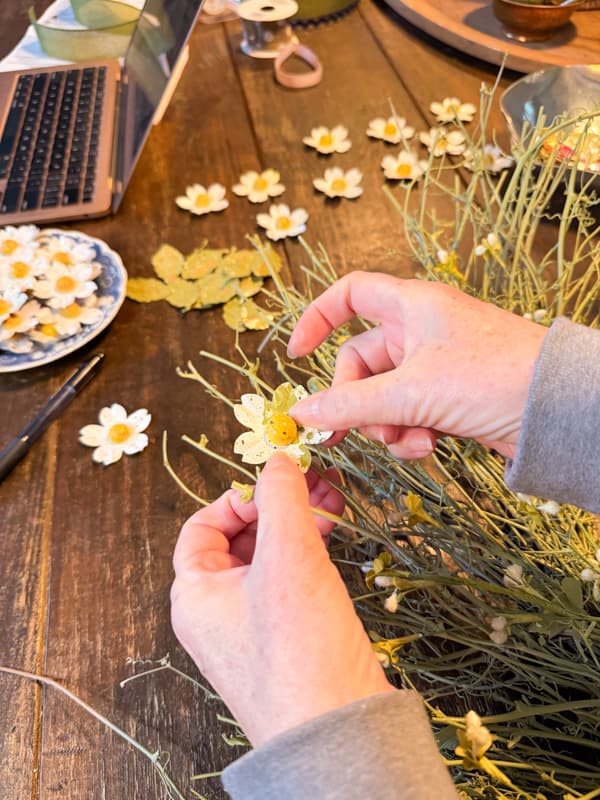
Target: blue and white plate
<point>112,284</point>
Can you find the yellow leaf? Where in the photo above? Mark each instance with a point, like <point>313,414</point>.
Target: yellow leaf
<point>232,315</point>
<point>215,288</point>
<point>238,263</point>
<point>416,512</point>
<point>249,286</point>
<point>201,261</point>
<point>182,294</point>
<point>167,262</point>
<point>241,315</point>
<point>146,290</point>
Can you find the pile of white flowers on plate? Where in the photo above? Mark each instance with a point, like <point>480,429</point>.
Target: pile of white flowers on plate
<point>47,287</point>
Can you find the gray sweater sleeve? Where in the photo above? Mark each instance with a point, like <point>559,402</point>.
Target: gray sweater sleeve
<point>558,452</point>
<point>377,748</point>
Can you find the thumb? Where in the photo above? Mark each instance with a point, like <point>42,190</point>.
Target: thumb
<point>379,400</point>
<point>285,521</point>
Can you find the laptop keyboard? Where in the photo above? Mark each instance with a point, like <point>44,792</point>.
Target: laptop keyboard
<point>49,146</point>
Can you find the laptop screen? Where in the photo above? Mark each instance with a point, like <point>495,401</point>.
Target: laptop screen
<point>156,45</point>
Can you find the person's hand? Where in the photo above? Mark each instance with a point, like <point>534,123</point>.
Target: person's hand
<point>439,362</point>
<point>263,612</point>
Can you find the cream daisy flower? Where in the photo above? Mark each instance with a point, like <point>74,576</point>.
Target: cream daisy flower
<point>49,330</point>
<point>258,187</point>
<point>11,300</point>
<point>325,140</point>
<point>490,159</point>
<point>70,319</point>
<point>393,129</point>
<point>13,240</point>
<point>403,167</point>
<point>117,433</point>
<point>20,321</point>
<point>67,251</point>
<point>439,141</point>
<point>280,222</point>
<point>22,272</point>
<point>272,429</point>
<point>337,183</point>
<point>451,110</point>
<point>64,285</point>
<point>198,200</point>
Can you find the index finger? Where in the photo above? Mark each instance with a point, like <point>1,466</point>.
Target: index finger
<point>204,541</point>
<point>366,294</point>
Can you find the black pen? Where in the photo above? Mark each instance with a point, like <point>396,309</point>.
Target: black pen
<point>18,447</point>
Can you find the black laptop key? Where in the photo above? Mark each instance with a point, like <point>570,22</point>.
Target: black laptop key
<point>10,201</point>
<point>30,199</point>
<point>71,195</point>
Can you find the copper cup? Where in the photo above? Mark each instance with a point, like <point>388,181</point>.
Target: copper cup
<point>526,22</point>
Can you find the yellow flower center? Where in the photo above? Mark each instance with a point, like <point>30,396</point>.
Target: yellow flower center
<point>281,430</point>
<point>49,330</point>
<point>326,140</point>
<point>12,322</point>
<point>65,284</point>
<point>283,223</point>
<point>202,200</point>
<point>72,311</point>
<point>390,129</point>
<point>5,307</point>
<point>338,185</point>
<point>20,269</point>
<point>9,246</point>
<point>62,258</point>
<point>404,170</point>
<point>119,433</point>
<point>260,184</point>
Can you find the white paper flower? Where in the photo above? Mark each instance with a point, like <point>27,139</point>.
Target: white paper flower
<point>71,318</point>
<point>337,183</point>
<point>117,433</point>
<point>489,244</point>
<point>491,159</point>
<point>20,321</point>
<point>64,285</point>
<point>13,240</point>
<point>440,141</point>
<point>198,200</point>
<point>67,251</point>
<point>48,331</point>
<point>451,109</point>
<point>325,140</point>
<point>280,222</point>
<point>22,272</point>
<point>11,300</point>
<point>258,187</point>
<point>272,429</point>
<point>393,129</point>
<point>403,167</point>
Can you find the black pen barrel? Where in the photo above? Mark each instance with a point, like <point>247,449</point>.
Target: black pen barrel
<point>12,454</point>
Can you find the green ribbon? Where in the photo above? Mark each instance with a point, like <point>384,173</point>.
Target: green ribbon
<point>108,28</point>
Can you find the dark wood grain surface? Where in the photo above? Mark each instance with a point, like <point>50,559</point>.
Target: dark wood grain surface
<point>86,551</point>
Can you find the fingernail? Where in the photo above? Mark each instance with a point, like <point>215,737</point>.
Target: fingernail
<point>422,448</point>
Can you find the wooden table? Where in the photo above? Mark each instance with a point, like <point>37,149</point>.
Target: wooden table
<point>86,566</point>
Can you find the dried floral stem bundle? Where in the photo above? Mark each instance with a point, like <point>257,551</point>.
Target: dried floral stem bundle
<point>496,597</point>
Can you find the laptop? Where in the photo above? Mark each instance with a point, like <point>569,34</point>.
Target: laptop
<point>70,136</point>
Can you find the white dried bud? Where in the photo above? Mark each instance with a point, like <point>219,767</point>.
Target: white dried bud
<point>383,581</point>
<point>391,603</point>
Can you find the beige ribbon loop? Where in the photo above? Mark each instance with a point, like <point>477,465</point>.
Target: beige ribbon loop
<point>297,80</point>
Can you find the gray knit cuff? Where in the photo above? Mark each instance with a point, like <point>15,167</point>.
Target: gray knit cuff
<point>558,452</point>
<point>376,748</point>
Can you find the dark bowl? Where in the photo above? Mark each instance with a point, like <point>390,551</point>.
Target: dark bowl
<point>526,22</point>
